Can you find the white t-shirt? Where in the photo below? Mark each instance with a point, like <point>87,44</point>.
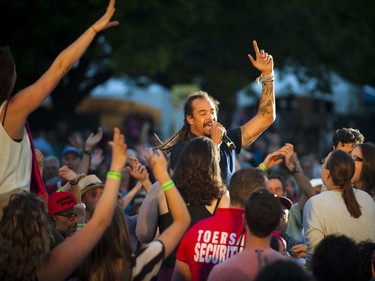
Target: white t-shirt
<point>15,161</point>
<point>326,214</point>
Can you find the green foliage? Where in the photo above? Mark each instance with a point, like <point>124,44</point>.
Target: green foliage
<point>204,42</point>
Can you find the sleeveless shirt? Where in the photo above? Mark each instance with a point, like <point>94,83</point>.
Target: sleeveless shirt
<point>15,161</point>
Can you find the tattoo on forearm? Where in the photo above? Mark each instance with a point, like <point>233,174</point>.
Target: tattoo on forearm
<point>266,100</point>
<point>246,138</point>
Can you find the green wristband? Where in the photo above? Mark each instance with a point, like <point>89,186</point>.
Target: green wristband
<point>263,167</point>
<point>114,175</point>
<point>168,185</point>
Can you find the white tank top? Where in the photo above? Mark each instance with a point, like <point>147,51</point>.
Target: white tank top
<point>15,161</point>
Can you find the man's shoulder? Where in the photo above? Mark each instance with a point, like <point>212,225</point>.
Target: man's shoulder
<point>176,151</point>
<point>231,264</point>
<point>218,216</point>
<point>216,223</point>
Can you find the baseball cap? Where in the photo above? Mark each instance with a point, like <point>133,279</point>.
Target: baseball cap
<point>89,182</point>
<point>285,201</point>
<point>69,148</point>
<point>60,201</point>
<point>316,182</point>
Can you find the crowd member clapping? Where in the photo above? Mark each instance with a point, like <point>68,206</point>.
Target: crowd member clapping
<point>25,230</point>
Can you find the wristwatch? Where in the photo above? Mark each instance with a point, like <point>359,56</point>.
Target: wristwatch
<point>294,170</point>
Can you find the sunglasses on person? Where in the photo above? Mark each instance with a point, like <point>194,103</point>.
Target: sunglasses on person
<point>71,215</point>
<point>356,158</point>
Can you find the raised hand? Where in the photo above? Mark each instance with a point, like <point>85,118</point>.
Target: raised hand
<point>75,139</point>
<point>157,162</point>
<point>263,61</point>
<point>93,139</point>
<point>39,159</point>
<point>67,173</point>
<point>273,159</point>
<point>119,149</point>
<point>288,151</point>
<point>96,158</point>
<point>104,22</point>
<point>137,170</point>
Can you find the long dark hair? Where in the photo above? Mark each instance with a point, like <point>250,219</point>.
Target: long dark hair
<point>182,134</point>
<point>341,167</point>
<point>367,259</point>
<point>111,254</point>
<point>7,67</point>
<point>197,172</point>
<point>368,167</point>
<point>25,235</point>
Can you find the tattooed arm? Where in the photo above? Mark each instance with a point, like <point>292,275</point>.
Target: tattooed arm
<point>266,115</point>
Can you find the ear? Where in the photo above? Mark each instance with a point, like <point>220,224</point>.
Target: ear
<point>328,173</point>
<point>190,119</point>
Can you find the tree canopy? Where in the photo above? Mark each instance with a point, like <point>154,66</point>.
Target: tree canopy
<point>202,42</point>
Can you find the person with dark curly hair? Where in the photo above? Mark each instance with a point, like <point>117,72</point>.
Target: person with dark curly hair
<point>367,260</point>
<point>346,138</point>
<point>217,238</point>
<point>336,258</point>
<point>364,160</point>
<point>197,177</point>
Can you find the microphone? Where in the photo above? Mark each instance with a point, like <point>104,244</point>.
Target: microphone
<point>228,142</point>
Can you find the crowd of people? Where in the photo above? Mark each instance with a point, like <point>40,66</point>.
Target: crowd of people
<point>195,207</point>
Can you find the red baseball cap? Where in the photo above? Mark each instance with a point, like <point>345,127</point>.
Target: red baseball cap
<point>60,201</point>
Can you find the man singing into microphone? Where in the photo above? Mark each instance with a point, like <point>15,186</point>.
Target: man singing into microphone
<point>200,111</point>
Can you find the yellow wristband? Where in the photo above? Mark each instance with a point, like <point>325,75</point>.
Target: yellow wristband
<point>263,167</point>
<point>114,175</point>
<point>168,185</point>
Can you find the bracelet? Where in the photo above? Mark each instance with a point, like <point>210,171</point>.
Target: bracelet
<point>88,152</point>
<point>114,175</point>
<point>74,182</point>
<point>94,29</point>
<point>263,167</point>
<point>168,185</point>
<point>266,79</point>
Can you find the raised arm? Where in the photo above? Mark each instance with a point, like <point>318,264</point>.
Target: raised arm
<point>67,256</point>
<point>91,141</point>
<point>267,110</point>
<point>139,171</point>
<point>148,215</point>
<point>177,206</point>
<point>292,164</point>
<point>73,180</point>
<point>27,100</point>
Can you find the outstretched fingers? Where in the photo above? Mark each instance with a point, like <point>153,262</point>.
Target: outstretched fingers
<point>258,53</point>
